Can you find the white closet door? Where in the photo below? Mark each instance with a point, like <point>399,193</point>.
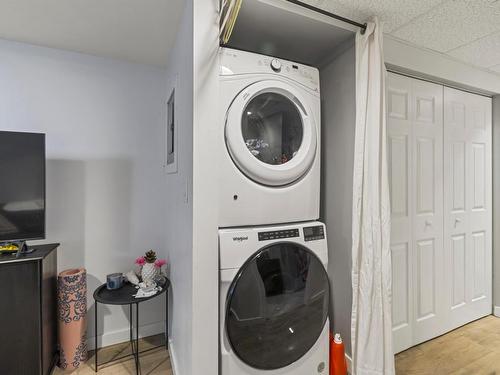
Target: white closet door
<point>468,202</point>
<point>440,170</point>
<point>427,170</point>
<point>415,139</point>
<point>400,158</point>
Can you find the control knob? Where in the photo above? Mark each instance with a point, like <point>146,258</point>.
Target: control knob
<point>276,65</point>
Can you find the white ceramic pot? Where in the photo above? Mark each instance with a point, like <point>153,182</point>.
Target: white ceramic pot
<point>148,273</point>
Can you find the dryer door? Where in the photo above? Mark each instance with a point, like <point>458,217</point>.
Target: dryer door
<point>270,133</point>
<point>277,306</point>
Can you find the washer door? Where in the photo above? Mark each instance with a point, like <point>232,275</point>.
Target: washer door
<point>270,134</point>
<point>277,306</point>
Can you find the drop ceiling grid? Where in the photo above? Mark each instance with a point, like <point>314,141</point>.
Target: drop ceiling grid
<point>484,52</point>
<point>392,13</point>
<point>467,30</point>
<point>496,68</point>
<point>452,25</point>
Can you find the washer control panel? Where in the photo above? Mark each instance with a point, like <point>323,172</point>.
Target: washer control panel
<point>314,233</point>
<point>278,234</point>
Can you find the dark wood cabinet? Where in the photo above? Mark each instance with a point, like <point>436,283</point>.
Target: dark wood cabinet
<point>28,312</point>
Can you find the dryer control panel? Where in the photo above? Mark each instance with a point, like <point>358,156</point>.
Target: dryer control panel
<point>234,62</point>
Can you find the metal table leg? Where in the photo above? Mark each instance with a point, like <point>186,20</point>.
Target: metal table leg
<point>166,319</point>
<point>134,342</point>
<point>130,317</point>
<point>137,364</point>
<point>95,335</point>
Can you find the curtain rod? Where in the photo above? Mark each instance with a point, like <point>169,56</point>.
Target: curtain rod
<point>332,15</point>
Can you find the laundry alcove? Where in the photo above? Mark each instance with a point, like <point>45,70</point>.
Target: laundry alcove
<point>302,36</point>
<point>317,40</point>
<point>328,44</point>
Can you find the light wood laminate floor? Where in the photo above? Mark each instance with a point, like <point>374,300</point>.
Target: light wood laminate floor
<point>473,349</point>
<point>154,362</point>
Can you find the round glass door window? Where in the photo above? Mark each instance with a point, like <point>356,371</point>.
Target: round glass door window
<point>277,306</point>
<point>270,133</point>
<point>271,126</point>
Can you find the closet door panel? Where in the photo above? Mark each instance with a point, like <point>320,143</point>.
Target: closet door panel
<point>480,223</point>
<point>457,238</point>
<point>400,160</point>
<point>478,266</point>
<point>426,280</point>
<point>425,181</point>
<point>401,288</point>
<point>478,174</point>
<point>415,139</point>
<point>458,263</point>
<point>467,186</point>
<point>426,113</point>
<point>398,155</point>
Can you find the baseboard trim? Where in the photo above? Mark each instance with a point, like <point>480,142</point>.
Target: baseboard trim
<point>122,335</point>
<point>349,364</point>
<point>496,311</point>
<point>173,357</point>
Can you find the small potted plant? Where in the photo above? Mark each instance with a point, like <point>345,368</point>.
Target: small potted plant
<point>150,266</point>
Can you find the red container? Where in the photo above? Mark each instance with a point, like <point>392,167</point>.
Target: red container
<point>338,364</point>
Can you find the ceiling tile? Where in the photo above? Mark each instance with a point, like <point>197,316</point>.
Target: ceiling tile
<point>342,8</point>
<point>392,13</point>
<point>484,52</point>
<point>495,68</point>
<point>453,24</point>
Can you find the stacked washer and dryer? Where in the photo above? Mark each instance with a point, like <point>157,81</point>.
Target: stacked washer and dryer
<point>274,289</point>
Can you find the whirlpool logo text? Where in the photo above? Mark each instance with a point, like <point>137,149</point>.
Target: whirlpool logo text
<point>240,239</point>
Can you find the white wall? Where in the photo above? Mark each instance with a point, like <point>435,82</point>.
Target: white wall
<point>192,238</point>
<point>406,58</point>
<point>105,179</point>
<point>338,112</point>
<point>179,224</point>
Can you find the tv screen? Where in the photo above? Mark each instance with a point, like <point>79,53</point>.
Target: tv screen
<point>22,186</point>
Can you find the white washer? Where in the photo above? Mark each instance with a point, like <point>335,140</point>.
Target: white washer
<point>274,298</point>
<point>269,143</point>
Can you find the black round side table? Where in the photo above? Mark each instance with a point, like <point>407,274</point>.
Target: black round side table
<point>125,296</point>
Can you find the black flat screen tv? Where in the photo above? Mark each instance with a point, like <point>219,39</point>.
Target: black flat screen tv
<point>22,186</point>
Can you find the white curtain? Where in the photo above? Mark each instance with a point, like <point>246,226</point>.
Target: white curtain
<point>371,327</point>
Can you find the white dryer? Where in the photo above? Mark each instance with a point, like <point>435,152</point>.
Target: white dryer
<point>274,298</point>
<point>269,143</point>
